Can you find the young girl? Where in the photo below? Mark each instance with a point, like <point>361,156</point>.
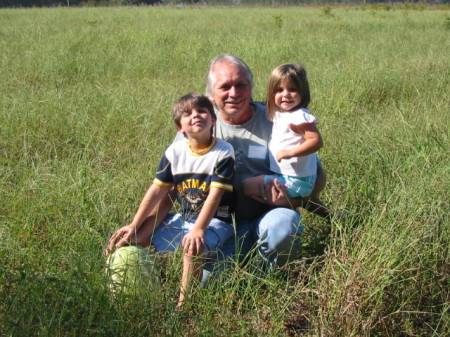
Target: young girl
<point>292,154</point>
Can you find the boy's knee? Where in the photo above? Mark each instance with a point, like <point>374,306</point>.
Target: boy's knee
<point>192,254</point>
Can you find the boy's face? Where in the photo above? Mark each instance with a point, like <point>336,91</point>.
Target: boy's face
<point>196,122</point>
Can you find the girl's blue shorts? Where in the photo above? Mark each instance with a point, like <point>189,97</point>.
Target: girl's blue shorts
<point>295,186</point>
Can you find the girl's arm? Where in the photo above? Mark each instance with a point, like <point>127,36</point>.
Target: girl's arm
<point>313,142</point>
<point>194,240</point>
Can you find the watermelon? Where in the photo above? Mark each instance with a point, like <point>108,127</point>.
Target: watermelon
<point>131,270</point>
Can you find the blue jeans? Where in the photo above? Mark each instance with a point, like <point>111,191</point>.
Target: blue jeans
<point>170,232</point>
<point>275,235</point>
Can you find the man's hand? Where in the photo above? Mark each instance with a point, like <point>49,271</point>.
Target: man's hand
<point>275,194</point>
<point>194,241</point>
<point>271,193</point>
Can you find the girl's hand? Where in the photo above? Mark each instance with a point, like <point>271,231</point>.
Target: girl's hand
<point>193,242</point>
<point>303,127</point>
<point>283,154</point>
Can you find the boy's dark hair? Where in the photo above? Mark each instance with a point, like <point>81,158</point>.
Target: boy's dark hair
<point>189,102</point>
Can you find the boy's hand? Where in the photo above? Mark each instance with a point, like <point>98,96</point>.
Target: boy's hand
<point>193,242</point>
<point>122,237</point>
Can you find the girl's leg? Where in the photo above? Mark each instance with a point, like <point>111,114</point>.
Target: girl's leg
<point>321,181</point>
<point>313,203</point>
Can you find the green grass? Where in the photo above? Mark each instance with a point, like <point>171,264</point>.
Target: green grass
<point>85,105</point>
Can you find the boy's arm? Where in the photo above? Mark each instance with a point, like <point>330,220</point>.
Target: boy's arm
<point>313,142</point>
<point>154,219</point>
<point>194,240</point>
<point>153,196</point>
<point>150,202</point>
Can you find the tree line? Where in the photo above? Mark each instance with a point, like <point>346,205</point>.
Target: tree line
<point>60,3</point>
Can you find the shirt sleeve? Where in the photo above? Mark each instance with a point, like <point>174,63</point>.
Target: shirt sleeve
<point>306,117</point>
<point>223,174</point>
<point>164,177</point>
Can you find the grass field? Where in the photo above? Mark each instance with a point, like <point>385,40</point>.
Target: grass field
<point>85,101</point>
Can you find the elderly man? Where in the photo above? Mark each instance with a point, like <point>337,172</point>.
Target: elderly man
<point>271,225</point>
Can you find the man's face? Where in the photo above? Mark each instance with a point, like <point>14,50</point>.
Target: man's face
<point>232,93</point>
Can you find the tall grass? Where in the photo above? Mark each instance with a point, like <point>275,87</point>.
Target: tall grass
<point>85,108</point>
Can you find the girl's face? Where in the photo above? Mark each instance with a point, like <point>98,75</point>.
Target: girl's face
<point>287,97</point>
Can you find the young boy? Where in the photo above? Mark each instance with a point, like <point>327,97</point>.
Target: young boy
<point>200,168</point>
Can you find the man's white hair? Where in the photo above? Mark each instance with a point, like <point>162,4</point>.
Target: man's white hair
<point>234,60</point>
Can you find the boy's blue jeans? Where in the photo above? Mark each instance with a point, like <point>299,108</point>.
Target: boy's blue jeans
<point>170,232</point>
<point>276,236</point>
